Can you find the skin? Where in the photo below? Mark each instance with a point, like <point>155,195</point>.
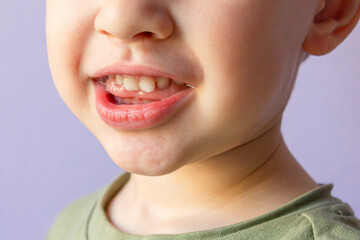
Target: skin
<point>223,157</point>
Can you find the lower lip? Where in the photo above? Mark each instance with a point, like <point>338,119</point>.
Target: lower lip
<point>138,116</point>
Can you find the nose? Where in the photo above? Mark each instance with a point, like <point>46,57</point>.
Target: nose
<point>129,20</point>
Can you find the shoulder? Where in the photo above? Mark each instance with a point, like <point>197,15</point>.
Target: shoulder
<point>71,220</point>
<point>336,221</point>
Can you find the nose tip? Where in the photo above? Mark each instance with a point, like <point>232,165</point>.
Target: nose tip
<point>137,20</point>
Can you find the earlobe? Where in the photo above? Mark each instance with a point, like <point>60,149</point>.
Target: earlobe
<point>331,25</point>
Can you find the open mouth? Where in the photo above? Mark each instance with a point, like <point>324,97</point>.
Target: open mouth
<point>118,100</point>
<point>129,90</point>
<point>140,107</point>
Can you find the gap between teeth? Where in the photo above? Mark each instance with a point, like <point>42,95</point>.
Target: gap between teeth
<point>146,84</point>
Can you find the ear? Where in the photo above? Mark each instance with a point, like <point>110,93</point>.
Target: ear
<point>333,22</point>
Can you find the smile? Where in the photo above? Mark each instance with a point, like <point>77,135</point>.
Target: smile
<point>131,102</point>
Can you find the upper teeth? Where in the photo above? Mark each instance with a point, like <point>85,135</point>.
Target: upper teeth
<point>119,80</point>
<point>145,83</point>
<point>177,82</point>
<point>130,83</point>
<point>163,82</point>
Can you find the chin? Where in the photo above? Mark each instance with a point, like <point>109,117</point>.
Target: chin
<point>145,161</point>
<point>145,168</point>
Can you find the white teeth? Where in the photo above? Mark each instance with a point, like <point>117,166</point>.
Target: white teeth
<point>147,84</point>
<point>163,82</point>
<point>179,83</point>
<point>119,80</point>
<point>130,83</point>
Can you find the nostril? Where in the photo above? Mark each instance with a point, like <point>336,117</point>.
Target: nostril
<point>149,34</point>
<point>144,34</point>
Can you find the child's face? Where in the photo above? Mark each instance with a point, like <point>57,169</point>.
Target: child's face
<point>242,57</point>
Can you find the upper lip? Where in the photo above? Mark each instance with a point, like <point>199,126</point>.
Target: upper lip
<point>139,70</point>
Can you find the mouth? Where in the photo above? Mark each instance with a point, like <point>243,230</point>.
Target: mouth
<point>131,102</point>
<point>135,89</point>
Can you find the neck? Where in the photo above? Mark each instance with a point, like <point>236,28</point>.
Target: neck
<point>240,176</point>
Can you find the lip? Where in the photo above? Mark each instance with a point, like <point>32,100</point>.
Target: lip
<point>138,116</point>
<point>140,70</point>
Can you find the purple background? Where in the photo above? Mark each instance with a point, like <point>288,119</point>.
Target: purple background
<point>48,158</point>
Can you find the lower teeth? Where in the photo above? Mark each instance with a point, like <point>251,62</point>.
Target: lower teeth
<point>118,100</point>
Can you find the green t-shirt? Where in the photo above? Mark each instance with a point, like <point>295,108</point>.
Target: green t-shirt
<point>313,215</point>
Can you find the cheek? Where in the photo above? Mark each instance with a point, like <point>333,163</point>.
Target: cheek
<point>67,28</point>
<point>248,63</point>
